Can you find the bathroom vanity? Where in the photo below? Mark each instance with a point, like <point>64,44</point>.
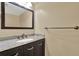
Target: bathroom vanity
<point>31,46</point>
<point>16,16</point>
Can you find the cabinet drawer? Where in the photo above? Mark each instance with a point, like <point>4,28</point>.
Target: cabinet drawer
<point>28,46</point>
<point>39,42</point>
<point>28,49</point>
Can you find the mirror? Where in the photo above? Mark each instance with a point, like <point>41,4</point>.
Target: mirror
<point>15,16</point>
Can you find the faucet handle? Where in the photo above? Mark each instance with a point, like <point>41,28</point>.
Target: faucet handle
<point>23,35</point>
<point>18,37</point>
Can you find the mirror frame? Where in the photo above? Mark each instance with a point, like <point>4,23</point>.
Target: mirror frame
<point>3,17</point>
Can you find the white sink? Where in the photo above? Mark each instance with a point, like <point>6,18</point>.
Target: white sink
<point>25,40</point>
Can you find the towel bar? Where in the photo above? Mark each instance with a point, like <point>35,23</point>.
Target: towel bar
<point>76,27</point>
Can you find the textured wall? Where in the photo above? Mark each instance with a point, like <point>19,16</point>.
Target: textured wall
<point>58,42</point>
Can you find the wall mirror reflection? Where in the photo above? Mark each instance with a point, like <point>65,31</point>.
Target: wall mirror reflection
<point>16,16</point>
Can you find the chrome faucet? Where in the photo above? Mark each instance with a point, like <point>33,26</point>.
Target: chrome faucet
<point>23,36</point>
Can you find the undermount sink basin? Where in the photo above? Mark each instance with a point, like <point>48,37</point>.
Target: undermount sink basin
<point>25,40</point>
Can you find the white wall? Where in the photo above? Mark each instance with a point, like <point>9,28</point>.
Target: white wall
<point>58,42</point>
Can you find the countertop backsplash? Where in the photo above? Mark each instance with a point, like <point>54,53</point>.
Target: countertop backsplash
<point>7,38</point>
<point>14,37</point>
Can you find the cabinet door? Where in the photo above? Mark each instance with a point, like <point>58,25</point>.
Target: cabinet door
<point>36,48</point>
<point>20,51</point>
<point>9,52</point>
<point>39,48</point>
<point>28,50</point>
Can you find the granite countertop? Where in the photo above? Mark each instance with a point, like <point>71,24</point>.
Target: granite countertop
<point>14,42</point>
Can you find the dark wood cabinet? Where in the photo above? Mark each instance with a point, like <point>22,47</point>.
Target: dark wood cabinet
<point>26,50</point>
<point>36,48</point>
<point>9,52</point>
<point>39,48</point>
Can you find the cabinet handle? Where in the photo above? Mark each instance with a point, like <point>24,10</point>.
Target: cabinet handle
<point>40,44</point>
<point>31,48</point>
<point>16,54</point>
